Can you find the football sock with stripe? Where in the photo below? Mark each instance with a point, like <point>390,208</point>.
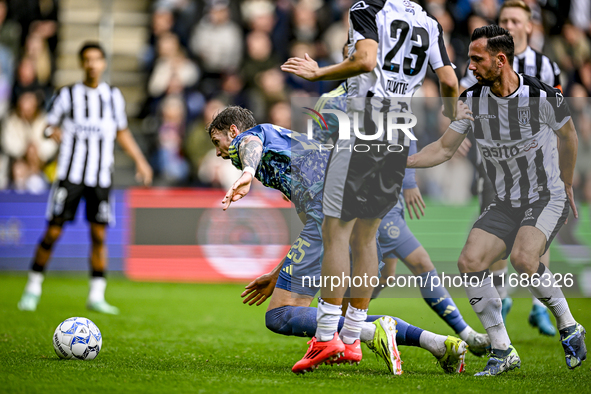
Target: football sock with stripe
<point>553,298</point>
<point>438,298</point>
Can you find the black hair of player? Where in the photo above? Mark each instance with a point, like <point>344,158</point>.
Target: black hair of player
<point>498,40</point>
<point>91,45</point>
<point>242,118</point>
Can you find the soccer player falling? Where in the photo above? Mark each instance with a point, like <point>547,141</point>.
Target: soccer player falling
<point>515,120</point>
<point>293,164</point>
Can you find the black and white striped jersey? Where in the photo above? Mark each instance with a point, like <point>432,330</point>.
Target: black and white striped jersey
<point>408,39</point>
<point>529,62</point>
<point>515,138</point>
<point>89,119</point>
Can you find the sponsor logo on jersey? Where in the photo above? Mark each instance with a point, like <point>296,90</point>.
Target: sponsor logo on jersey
<point>507,152</point>
<point>485,116</point>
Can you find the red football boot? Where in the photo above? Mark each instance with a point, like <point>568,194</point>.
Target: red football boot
<point>320,352</point>
<point>352,355</point>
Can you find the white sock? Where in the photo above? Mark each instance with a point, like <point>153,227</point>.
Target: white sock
<point>368,331</point>
<point>97,289</point>
<point>500,278</point>
<point>433,343</point>
<point>34,283</point>
<point>465,333</point>
<point>537,302</point>
<point>327,318</point>
<point>553,298</point>
<point>499,339</point>
<point>486,303</point>
<point>354,320</point>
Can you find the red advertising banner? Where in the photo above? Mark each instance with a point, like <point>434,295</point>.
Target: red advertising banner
<point>184,235</point>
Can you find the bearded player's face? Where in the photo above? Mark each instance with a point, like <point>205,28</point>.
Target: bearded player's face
<point>483,65</point>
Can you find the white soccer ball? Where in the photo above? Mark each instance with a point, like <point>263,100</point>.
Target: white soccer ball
<point>77,337</point>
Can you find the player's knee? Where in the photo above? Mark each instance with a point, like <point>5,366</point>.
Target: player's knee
<point>51,235</point>
<point>467,263</point>
<point>97,236</point>
<point>524,262</point>
<point>275,319</point>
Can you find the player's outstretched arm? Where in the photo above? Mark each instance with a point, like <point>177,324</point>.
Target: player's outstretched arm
<point>362,61</point>
<point>444,148</point>
<point>250,152</point>
<point>262,287</point>
<point>448,83</point>
<point>567,157</point>
<point>437,152</point>
<point>144,171</point>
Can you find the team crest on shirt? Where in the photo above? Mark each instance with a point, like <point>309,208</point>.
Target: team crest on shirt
<point>523,115</point>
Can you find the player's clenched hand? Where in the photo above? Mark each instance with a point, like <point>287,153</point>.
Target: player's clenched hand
<point>239,189</point>
<point>413,198</point>
<point>306,68</point>
<point>259,289</point>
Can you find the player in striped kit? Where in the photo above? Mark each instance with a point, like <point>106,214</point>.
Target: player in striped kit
<point>515,120</point>
<point>515,16</point>
<point>86,119</point>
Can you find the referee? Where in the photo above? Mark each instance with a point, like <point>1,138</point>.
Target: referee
<point>85,119</point>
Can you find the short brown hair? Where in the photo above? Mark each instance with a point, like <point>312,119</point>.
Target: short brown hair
<point>516,4</point>
<point>242,118</point>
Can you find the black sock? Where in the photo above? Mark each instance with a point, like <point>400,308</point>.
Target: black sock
<point>37,268</point>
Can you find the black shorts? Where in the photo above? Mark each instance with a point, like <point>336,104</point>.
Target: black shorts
<point>486,189</point>
<point>65,197</point>
<point>504,221</point>
<point>363,185</point>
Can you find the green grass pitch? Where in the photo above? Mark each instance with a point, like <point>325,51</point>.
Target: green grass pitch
<point>200,338</point>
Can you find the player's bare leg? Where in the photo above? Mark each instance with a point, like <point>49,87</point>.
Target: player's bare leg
<point>525,258</point>
<point>32,292</point>
<point>480,251</point>
<point>98,261</point>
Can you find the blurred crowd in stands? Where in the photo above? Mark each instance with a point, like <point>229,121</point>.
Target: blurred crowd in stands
<point>202,55</point>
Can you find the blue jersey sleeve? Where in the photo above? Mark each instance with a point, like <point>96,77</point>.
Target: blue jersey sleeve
<point>409,181</point>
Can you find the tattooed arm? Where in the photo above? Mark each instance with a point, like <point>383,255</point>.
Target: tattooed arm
<point>250,151</point>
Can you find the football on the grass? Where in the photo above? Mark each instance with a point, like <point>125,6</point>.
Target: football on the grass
<point>77,338</point>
